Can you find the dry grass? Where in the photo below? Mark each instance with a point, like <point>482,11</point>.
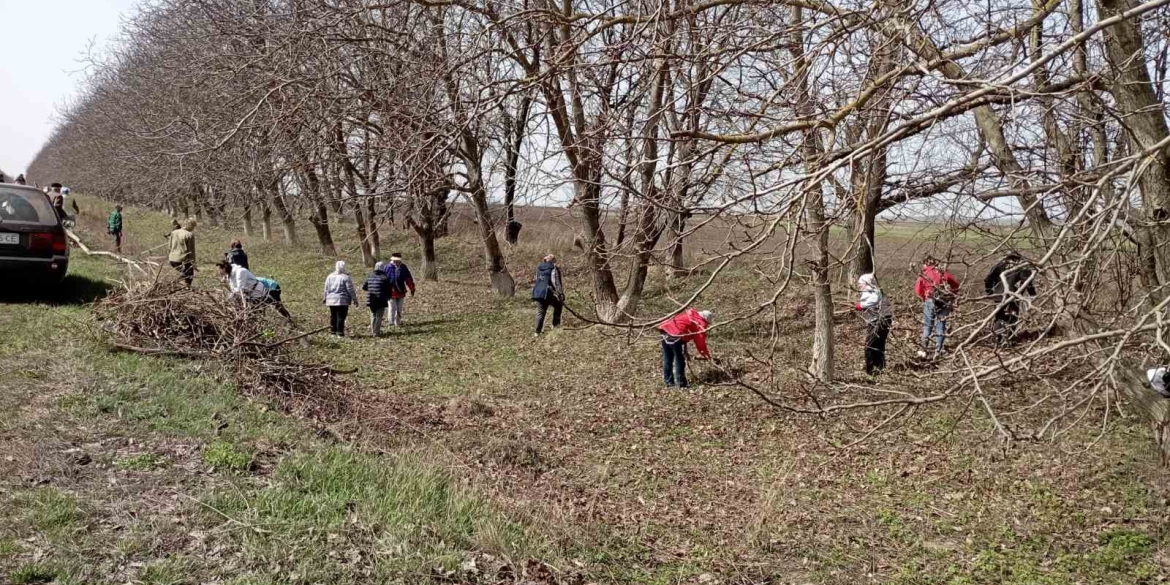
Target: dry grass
<point>573,437</point>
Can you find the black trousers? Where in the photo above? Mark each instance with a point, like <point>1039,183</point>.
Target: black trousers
<point>186,271</point>
<point>273,298</point>
<point>337,317</point>
<point>876,334</point>
<point>542,309</point>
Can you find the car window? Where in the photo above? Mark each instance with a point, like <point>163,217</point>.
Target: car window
<point>25,207</point>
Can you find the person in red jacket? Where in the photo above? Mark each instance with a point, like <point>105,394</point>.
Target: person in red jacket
<point>938,290</point>
<point>689,325</point>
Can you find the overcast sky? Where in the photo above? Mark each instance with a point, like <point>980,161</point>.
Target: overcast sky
<point>41,42</point>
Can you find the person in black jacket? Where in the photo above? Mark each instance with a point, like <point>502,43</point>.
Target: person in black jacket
<point>236,255</point>
<point>548,291</point>
<point>377,287</point>
<point>1008,279</point>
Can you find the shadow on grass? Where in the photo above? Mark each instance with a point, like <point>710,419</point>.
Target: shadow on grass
<point>420,328</point>
<point>72,290</point>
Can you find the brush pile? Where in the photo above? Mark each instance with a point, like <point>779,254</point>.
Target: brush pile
<point>167,318</point>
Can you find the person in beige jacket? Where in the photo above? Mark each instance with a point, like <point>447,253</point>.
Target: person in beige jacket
<point>182,256</point>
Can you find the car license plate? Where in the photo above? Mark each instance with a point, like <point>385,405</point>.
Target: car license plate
<point>9,239</point>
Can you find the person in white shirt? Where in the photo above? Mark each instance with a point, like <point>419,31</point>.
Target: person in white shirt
<point>250,289</point>
<point>875,309</point>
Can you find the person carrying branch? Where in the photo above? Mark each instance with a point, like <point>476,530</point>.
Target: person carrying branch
<point>339,295</point>
<point>875,309</point>
<point>939,290</point>
<point>182,247</point>
<point>548,291</point>
<point>377,287</point>
<point>251,289</point>
<point>1007,280</point>
<point>689,325</point>
<point>114,227</point>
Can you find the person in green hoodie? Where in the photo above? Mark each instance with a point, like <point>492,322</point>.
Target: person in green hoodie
<point>114,226</point>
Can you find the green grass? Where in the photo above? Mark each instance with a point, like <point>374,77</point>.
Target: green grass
<point>50,510</point>
<point>32,574</point>
<point>142,462</point>
<point>224,456</point>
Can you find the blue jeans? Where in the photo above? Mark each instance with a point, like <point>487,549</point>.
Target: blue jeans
<point>674,362</point>
<point>934,320</point>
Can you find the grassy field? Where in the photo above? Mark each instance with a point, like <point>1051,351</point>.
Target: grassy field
<point>507,458</point>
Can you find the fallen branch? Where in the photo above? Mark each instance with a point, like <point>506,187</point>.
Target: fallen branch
<point>102,253</point>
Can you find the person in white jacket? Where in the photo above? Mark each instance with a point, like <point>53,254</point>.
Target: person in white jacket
<point>339,295</point>
<point>875,309</point>
<point>250,289</point>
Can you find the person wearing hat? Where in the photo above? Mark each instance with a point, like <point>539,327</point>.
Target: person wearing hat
<point>401,282</point>
<point>689,325</point>
<point>114,227</point>
<point>548,291</point>
<point>20,180</point>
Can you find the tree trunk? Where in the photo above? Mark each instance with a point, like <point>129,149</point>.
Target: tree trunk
<point>374,231</point>
<point>678,265</point>
<point>869,191</point>
<point>649,232</point>
<point>430,265</point>
<point>350,183</point>
<point>623,217</point>
<point>359,218</point>
<point>501,280</point>
<point>248,221</point>
<point>320,221</point>
<point>1145,126</point>
<point>288,223</point>
<point>821,367</point>
<point>320,217</point>
<point>588,190</point>
<point>514,133</point>
<point>266,222</point>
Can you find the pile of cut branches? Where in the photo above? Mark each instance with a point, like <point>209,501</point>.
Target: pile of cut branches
<point>167,318</point>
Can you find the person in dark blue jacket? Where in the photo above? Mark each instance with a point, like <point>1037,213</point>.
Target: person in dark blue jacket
<point>377,287</point>
<point>236,255</point>
<point>548,291</point>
